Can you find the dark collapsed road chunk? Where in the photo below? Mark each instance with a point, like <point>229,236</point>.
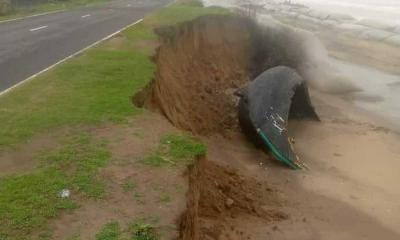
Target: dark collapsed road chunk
<point>266,105</point>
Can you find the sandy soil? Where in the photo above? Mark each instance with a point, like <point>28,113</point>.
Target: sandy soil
<point>350,191</point>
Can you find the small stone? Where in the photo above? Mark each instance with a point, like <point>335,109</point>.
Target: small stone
<point>229,202</point>
<point>248,197</point>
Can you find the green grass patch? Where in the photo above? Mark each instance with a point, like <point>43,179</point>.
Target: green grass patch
<point>165,197</point>
<point>24,11</point>
<point>175,149</point>
<point>110,231</point>
<point>183,146</point>
<point>82,157</point>
<point>140,230</point>
<point>28,201</point>
<point>141,32</point>
<point>156,160</point>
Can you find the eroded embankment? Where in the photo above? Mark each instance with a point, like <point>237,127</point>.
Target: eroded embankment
<point>200,66</point>
<point>219,197</point>
<point>203,62</point>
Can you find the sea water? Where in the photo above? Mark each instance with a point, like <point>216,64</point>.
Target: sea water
<point>380,91</point>
<point>383,10</point>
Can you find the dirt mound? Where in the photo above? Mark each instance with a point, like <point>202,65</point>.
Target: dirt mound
<point>219,195</point>
<point>203,62</point>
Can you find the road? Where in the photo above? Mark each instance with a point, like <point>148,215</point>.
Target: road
<point>29,45</point>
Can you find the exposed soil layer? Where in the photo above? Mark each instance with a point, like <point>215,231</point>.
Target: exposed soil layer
<point>218,196</point>
<point>203,62</point>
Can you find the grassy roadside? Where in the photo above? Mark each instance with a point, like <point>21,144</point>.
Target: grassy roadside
<point>93,88</point>
<point>89,90</point>
<point>48,7</point>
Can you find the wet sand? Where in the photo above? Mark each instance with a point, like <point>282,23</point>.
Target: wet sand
<point>355,163</point>
<point>351,190</point>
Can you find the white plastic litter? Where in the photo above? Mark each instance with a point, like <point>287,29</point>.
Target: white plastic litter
<point>65,193</point>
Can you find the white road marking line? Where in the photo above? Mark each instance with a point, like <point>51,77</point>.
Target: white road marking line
<point>85,16</point>
<point>38,28</point>
<point>31,16</point>
<point>69,57</point>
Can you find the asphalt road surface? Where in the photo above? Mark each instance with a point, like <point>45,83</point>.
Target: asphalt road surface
<point>29,45</point>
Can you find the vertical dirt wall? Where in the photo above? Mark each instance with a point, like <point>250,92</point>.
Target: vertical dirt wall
<point>203,62</point>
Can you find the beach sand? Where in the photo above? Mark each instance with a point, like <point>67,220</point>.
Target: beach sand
<point>351,189</point>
